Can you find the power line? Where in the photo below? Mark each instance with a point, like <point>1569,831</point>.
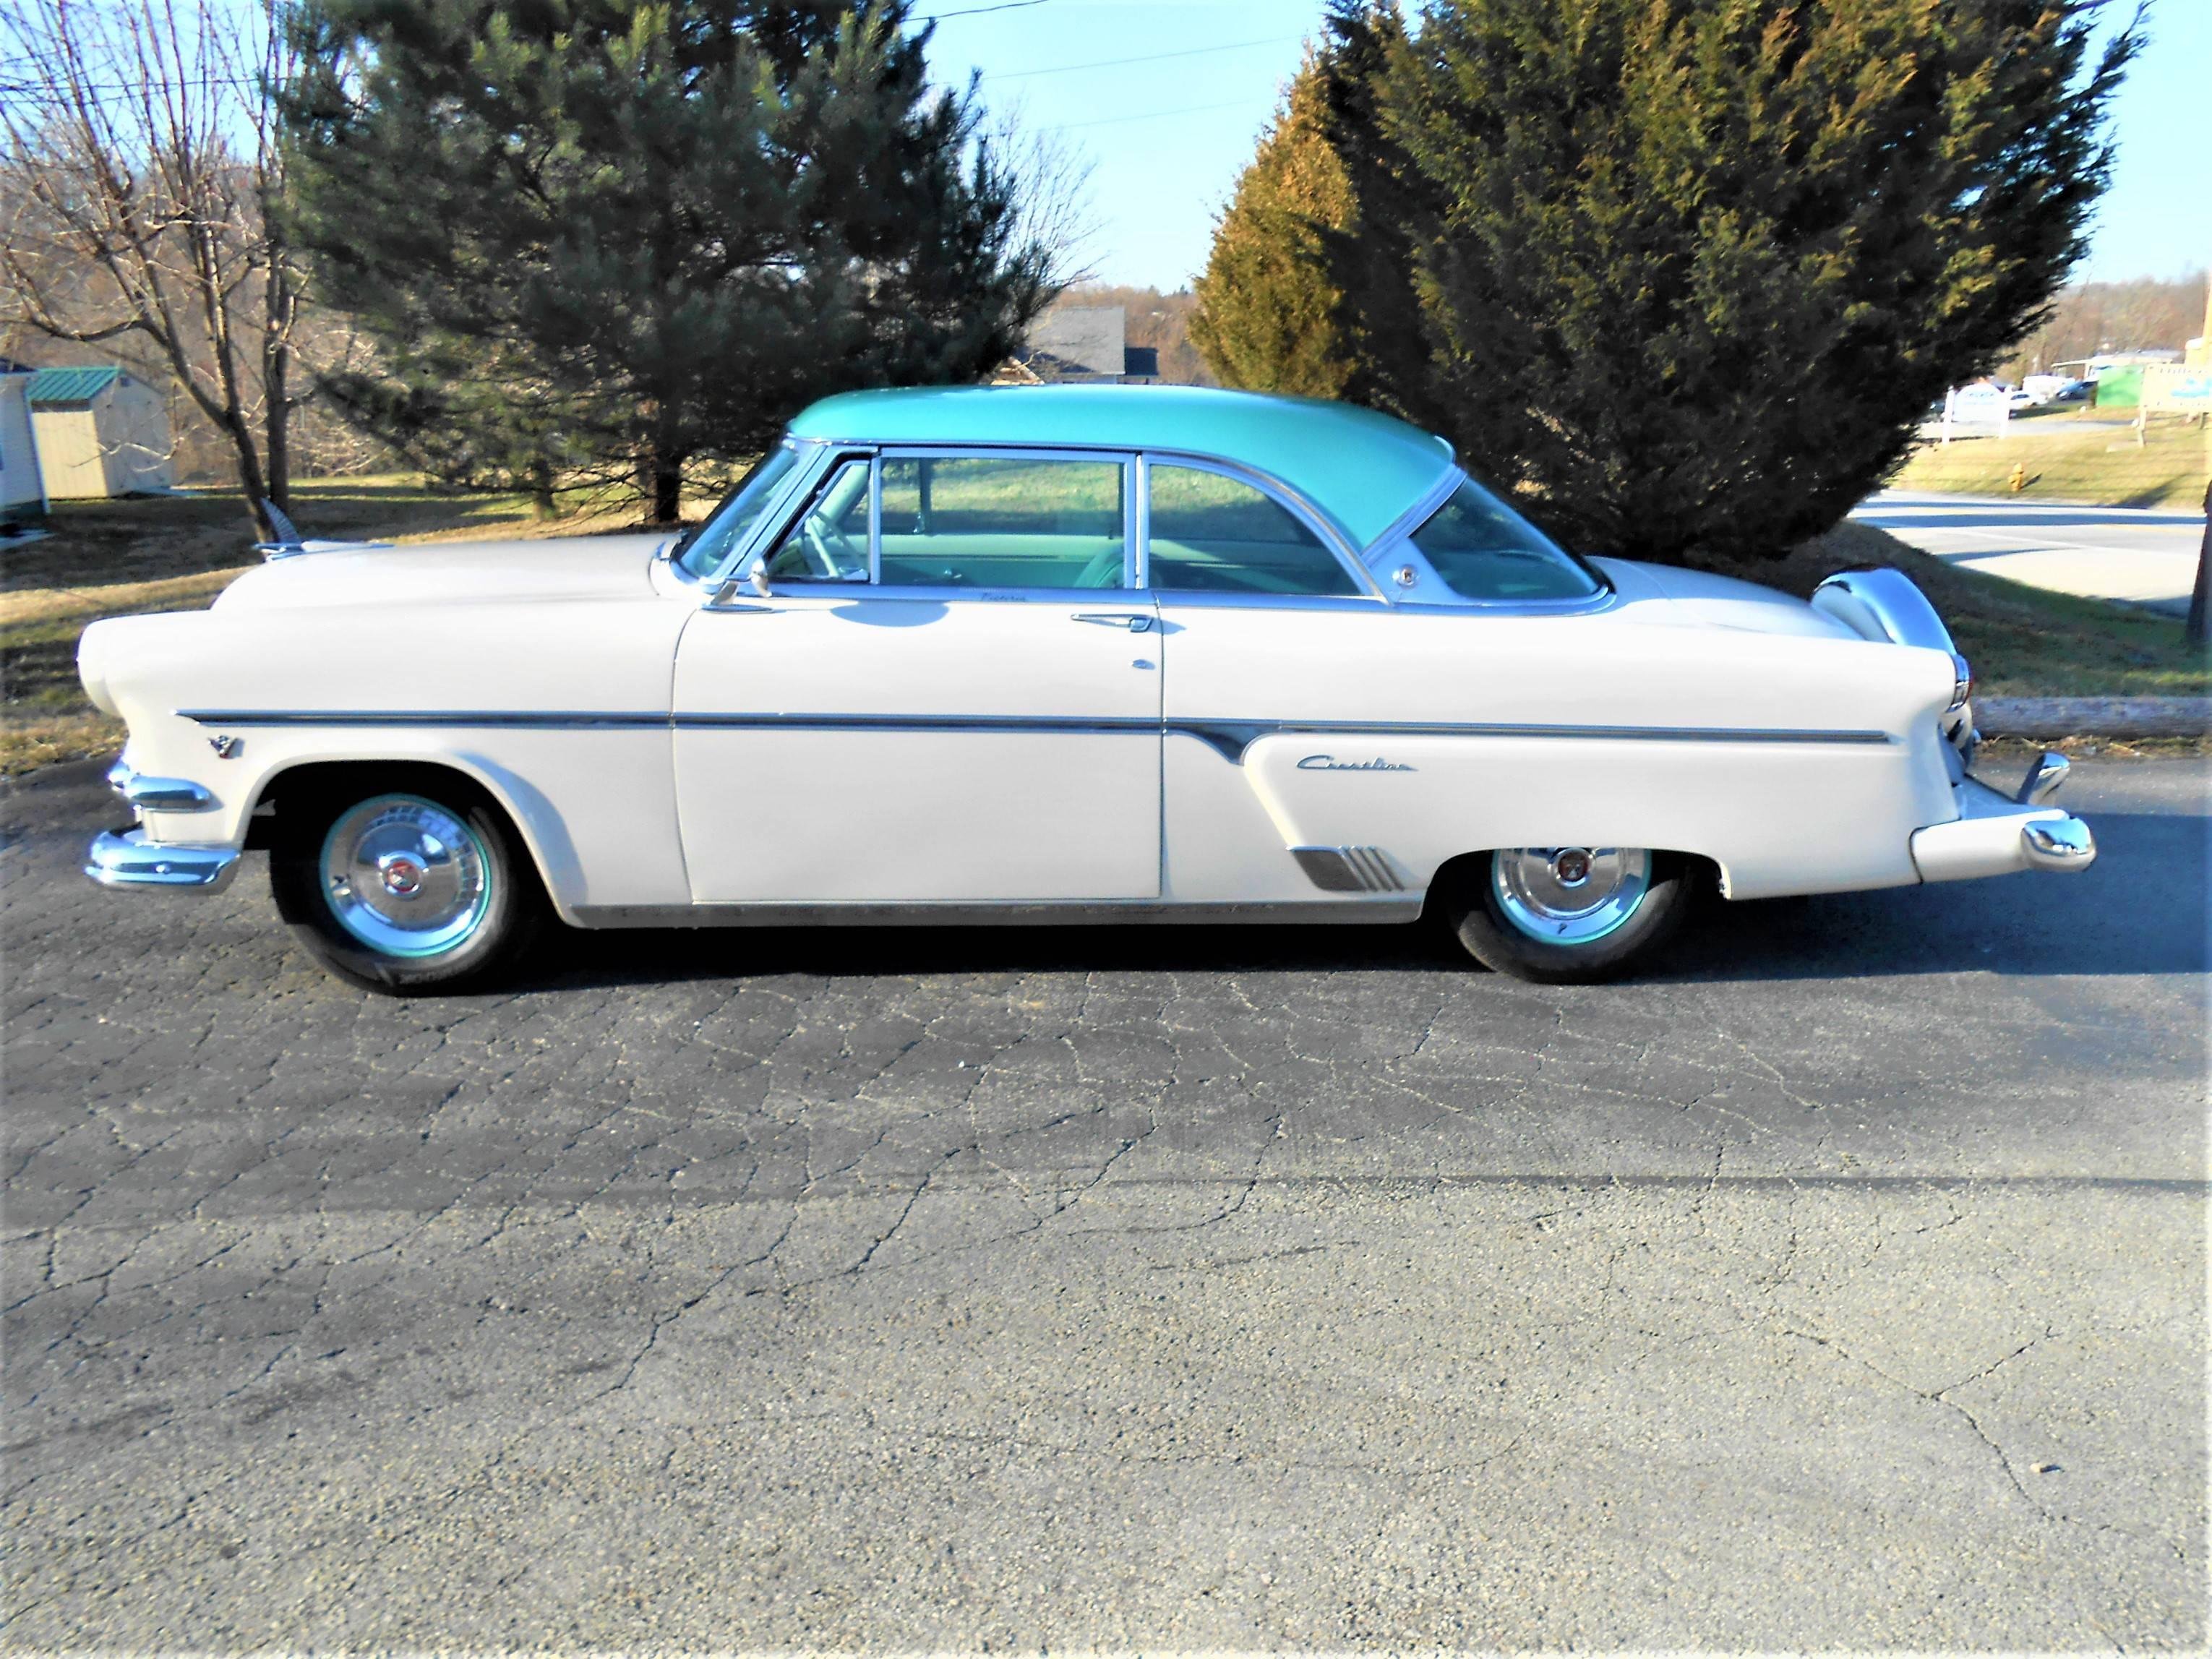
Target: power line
<point>1148,58</point>
<point>1154,115</point>
<point>977,11</point>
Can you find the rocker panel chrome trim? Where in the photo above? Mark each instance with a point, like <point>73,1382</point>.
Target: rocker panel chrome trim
<point>1007,913</point>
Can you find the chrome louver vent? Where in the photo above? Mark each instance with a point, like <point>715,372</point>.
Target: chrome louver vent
<point>1349,869</point>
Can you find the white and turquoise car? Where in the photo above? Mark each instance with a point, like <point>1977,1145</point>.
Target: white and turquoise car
<point>1099,653</point>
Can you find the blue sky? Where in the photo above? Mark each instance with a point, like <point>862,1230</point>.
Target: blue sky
<point>1170,133</point>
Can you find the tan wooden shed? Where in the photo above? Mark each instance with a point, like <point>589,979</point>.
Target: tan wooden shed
<point>102,432</point>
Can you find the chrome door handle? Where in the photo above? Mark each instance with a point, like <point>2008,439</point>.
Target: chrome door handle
<point>1135,621</point>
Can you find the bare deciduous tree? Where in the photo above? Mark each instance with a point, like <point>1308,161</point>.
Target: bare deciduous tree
<point>137,197</point>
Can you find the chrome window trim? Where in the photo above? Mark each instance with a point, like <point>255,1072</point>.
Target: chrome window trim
<point>1430,591</point>
<point>876,519</point>
<point>667,554</point>
<point>791,521</point>
<point>1137,525</point>
<point>1123,459</point>
<point>1364,604</point>
<point>791,504</point>
<point>1330,534</point>
<point>1415,516</point>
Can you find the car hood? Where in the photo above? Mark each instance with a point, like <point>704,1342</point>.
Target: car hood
<point>1670,596</point>
<point>450,573</point>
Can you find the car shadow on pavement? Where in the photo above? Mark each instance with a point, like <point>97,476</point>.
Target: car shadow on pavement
<point>2141,910</point>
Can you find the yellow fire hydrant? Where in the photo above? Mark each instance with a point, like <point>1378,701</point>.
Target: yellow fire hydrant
<point>2019,477</point>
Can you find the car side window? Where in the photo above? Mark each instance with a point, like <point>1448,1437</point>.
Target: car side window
<point>1216,534</point>
<point>1487,552</point>
<point>830,542</point>
<point>1002,521</point>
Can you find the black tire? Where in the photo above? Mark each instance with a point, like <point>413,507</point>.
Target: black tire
<point>1479,915</point>
<point>496,907</point>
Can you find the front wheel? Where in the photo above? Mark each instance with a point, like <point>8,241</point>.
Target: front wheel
<point>1569,915</point>
<point>404,886</point>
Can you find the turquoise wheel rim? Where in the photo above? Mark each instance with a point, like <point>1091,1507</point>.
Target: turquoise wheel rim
<point>1570,895</point>
<point>406,877</point>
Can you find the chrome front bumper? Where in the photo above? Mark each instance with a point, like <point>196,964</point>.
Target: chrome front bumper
<point>126,859</point>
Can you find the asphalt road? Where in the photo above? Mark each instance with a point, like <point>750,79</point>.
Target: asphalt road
<point>2146,556</point>
<point>1844,1286</point>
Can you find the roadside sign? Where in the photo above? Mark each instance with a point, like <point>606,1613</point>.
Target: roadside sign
<point>2176,389</point>
<point>1981,404</point>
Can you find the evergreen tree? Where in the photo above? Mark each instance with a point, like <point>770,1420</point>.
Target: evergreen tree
<point>619,234</point>
<point>1266,316</point>
<point>1685,275</point>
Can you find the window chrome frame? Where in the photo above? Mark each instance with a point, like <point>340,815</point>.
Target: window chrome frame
<point>1393,549</point>
<point>774,523</point>
<point>1127,460</point>
<point>803,490</point>
<point>1324,529</point>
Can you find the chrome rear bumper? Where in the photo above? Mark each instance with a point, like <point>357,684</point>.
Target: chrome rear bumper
<point>126,859</point>
<point>1993,835</point>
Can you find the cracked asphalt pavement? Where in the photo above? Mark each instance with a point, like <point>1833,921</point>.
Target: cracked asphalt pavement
<point>1842,1286</point>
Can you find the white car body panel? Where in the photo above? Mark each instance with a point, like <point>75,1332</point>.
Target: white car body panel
<point>889,811</point>
<point>671,752</point>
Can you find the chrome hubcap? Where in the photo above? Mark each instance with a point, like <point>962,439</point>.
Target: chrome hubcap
<point>1569,895</point>
<point>406,877</point>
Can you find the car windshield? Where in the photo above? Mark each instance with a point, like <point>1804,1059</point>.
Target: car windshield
<point>1485,551</point>
<point>701,552</point>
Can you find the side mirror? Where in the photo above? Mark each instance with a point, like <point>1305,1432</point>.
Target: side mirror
<point>757,578</point>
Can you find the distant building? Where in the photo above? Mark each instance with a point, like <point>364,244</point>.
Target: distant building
<point>1080,344</point>
<point>101,432</point>
<point>23,493</point>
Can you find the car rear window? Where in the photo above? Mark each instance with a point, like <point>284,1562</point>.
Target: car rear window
<point>1485,551</point>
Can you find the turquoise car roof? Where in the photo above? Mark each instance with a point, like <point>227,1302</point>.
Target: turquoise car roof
<point>1363,469</point>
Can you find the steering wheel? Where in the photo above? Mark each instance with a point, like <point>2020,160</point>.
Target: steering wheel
<point>1105,569</point>
<point>828,551</point>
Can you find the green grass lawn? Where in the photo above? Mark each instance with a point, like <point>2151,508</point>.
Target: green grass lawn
<point>114,558</point>
<point>2072,458</point>
<point>2022,641</point>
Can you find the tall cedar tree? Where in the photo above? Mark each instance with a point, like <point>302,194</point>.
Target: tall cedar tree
<point>1267,313</point>
<point>616,235</point>
<point>1685,275</point>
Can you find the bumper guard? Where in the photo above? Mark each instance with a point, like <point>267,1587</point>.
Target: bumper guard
<point>126,859</point>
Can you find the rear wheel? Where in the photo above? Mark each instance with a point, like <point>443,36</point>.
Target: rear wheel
<point>404,883</point>
<point>1568,916</point>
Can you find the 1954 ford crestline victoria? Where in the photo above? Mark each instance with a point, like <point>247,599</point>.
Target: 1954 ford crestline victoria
<point>1097,652</point>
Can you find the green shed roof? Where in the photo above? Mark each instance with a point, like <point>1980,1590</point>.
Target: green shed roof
<point>1363,469</point>
<point>71,386</point>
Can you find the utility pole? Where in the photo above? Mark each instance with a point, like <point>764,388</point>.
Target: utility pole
<point>2197,630</point>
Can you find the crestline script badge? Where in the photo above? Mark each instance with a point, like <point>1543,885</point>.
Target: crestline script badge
<point>1330,763</point>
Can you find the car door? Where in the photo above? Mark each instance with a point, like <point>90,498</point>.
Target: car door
<point>1265,624</point>
<point>949,694</point>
